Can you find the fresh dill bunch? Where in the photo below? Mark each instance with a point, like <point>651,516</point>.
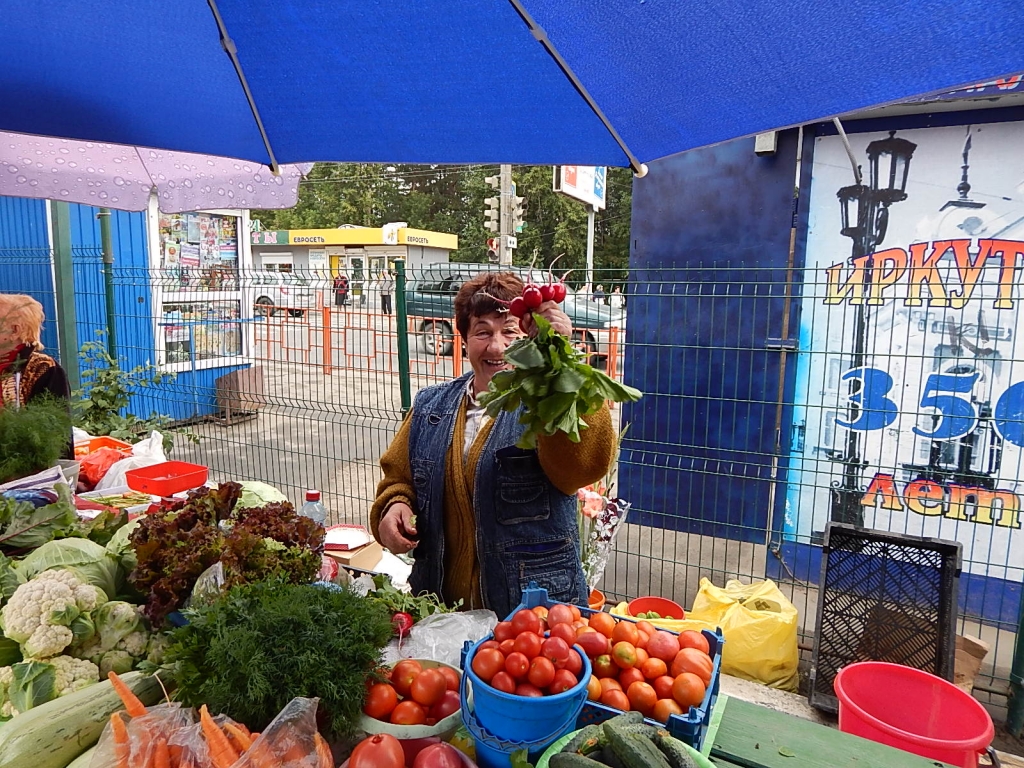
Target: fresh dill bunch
<point>258,646</point>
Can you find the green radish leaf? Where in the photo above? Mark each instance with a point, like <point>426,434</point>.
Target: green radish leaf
<point>552,408</point>
<point>569,380</point>
<point>526,356</point>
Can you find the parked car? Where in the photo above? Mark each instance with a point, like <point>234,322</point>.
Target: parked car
<point>278,291</point>
<point>430,300</point>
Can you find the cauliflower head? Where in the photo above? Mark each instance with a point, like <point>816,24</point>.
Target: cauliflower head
<point>41,611</point>
<point>6,678</point>
<point>116,661</point>
<point>73,674</point>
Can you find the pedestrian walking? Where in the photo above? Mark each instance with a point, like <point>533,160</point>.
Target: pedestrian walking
<point>617,300</point>
<point>599,294</point>
<point>340,291</point>
<point>387,287</point>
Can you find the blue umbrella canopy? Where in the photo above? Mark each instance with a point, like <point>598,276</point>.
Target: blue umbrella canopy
<point>615,82</point>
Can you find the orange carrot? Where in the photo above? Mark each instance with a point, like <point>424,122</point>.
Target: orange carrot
<point>261,755</point>
<point>238,736</point>
<point>222,754</point>
<point>122,746</point>
<point>161,754</point>
<point>132,705</point>
<point>323,752</point>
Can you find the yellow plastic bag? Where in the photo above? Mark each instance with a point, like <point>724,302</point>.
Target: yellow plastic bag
<point>759,624</point>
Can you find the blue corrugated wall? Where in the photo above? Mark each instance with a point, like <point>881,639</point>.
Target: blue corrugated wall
<point>25,259</point>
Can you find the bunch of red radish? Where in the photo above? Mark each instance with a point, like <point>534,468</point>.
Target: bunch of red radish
<point>535,295</point>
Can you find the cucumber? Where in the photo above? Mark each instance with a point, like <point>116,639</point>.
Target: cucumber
<point>608,757</point>
<point>586,741</point>
<point>674,750</point>
<point>55,733</point>
<point>634,750</point>
<point>571,760</point>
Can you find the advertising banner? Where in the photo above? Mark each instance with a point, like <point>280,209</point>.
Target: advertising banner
<point>910,384</point>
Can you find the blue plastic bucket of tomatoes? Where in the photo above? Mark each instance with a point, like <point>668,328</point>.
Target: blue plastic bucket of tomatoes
<point>525,699</point>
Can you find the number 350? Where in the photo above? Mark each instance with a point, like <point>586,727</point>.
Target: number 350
<point>947,393</point>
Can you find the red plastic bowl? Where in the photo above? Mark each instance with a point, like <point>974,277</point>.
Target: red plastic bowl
<point>167,478</point>
<point>666,609</point>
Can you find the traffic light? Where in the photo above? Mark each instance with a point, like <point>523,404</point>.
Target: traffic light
<point>492,214</point>
<point>518,212</point>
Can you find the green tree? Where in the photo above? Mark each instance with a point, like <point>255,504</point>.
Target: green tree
<point>450,198</point>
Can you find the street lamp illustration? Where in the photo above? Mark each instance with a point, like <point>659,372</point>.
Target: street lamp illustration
<point>865,220</point>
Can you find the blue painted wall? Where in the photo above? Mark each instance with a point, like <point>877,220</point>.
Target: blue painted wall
<point>25,268</point>
<point>711,233</point>
<point>25,259</point>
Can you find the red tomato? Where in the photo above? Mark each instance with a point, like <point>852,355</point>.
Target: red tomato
<point>428,688</point>
<point>605,667</point>
<point>654,668</point>
<point>541,611</point>
<point>663,686</point>
<point>642,638</point>
<point>665,708</point>
<point>695,661</point>
<point>624,654</point>
<point>380,701</point>
<point>517,665</point>
<point>448,705</point>
<point>642,697</point>
<point>402,675</point>
<point>556,649</point>
<point>378,751</point>
<point>490,644</point>
<point>629,676</point>
<point>541,672</point>
<point>438,756</point>
<point>564,680</point>
<point>646,626</point>
<point>693,639</point>
<point>593,643</point>
<point>574,663</point>
<point>528,644</point>
<point>559,614</point>
<point>507,646</point>
<point>663,645</point>
<point>503,682</point>
<point>487,663</point>
<point>641,656</point>
<point>525,620</point>
<point>688,690</point>
<point>408,713</point>
<point>615,700</point>
<point>503,631</point>
<point>525,689</point>
<point>451,678</point>
<point>565,632</point>
<point>594,689</point>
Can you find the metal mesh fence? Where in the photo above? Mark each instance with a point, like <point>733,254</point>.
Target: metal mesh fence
<point>734,459</point>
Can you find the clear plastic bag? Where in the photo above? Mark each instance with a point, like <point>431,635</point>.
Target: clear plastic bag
<point>290,741</point>
<point>441,637</point>
<point>161,725</point>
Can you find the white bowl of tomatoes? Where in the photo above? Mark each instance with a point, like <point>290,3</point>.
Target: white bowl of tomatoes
<point>419,698</point>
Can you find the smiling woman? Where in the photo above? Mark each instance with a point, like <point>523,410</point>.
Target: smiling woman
<point>458,493</point>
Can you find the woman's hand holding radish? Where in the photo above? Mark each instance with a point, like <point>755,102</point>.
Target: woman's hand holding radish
<point>549,310</point>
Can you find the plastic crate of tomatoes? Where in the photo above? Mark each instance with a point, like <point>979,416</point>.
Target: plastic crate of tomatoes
<point>682,707</point>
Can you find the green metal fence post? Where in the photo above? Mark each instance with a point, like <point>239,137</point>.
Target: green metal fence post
<point>64,288</point>
<point>107,244</point>
<point>403,336</point>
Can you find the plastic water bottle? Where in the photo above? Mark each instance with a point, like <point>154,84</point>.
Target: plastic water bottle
<point>313,509</point>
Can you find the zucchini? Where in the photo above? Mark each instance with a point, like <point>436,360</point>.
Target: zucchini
<point>83,760</point>
<point>55,733</point>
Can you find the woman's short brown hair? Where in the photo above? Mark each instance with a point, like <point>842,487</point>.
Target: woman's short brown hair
<point>480,296</point>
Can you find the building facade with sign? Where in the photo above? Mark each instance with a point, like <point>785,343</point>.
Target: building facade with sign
<point>850,346</point>
<point>361,253</point>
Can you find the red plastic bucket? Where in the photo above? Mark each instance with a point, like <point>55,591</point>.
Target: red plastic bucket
<point>913,711</point>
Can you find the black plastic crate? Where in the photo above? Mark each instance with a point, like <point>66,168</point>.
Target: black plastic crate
<point>883,597</point>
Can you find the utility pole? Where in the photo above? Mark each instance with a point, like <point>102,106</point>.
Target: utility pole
<point>591,212</point>
<point>507,205</point>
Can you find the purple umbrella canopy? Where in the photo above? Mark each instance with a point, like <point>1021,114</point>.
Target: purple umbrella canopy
<point>123,177</point>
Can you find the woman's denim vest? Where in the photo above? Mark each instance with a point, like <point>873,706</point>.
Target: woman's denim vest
<point>526,529</point>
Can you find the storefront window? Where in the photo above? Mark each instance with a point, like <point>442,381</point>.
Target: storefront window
<point>198,252</point>
<point>201,330</point>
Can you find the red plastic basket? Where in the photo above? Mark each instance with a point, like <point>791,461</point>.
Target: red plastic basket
<point>91,446</point>
<point>167,478</point>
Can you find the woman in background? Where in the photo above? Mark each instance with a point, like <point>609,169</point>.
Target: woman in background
<point>25,372</point>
